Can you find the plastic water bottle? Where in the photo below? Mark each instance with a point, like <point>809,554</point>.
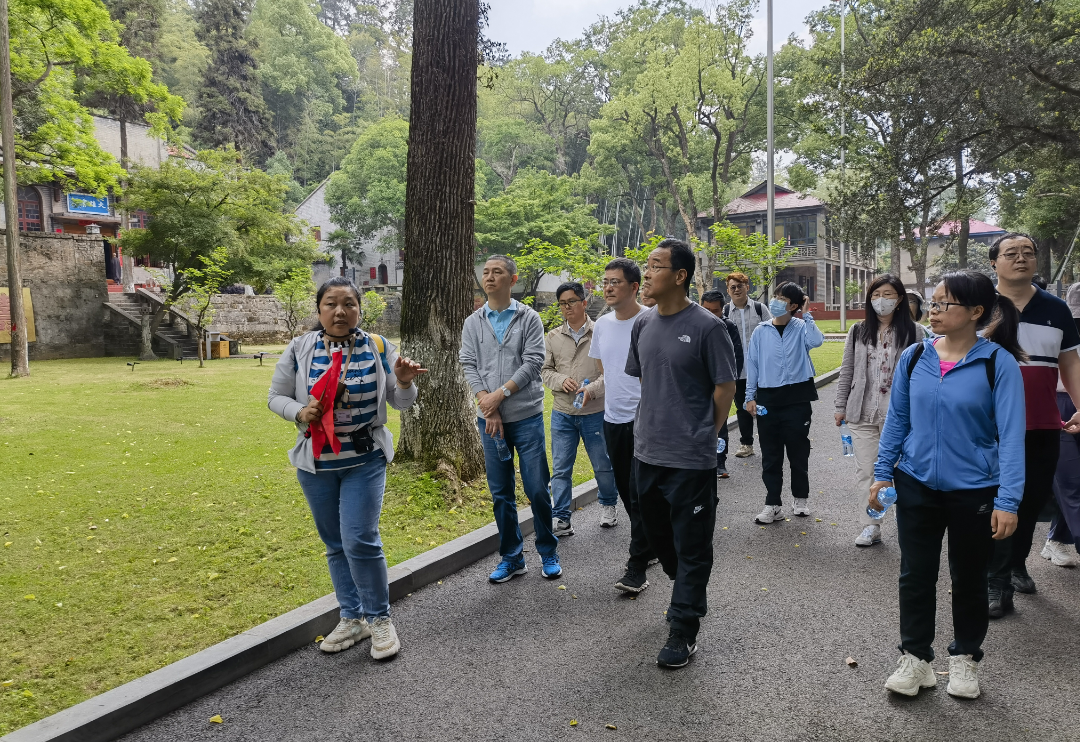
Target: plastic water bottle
<point>886,497</point>
<point>579,400</point>
<point>721,445</point>
<point>760,410</point>
<point>502,449</point>
<point>845,440</point>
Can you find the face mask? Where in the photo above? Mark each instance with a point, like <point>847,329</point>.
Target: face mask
<point>884,306</point>
<point>778,307</point>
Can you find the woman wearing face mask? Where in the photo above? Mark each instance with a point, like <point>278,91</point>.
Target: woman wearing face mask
<point>953,444</point>
<point>780,378</point>
<point>862,391</point>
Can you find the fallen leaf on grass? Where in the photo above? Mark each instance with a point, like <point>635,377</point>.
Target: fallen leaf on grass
<point>216,719</point>
<point>29,597</point>
<point>851,662</point>
<point>28,694</point>
<point>7,683</point>
<point>59,605</point>
<point>173,559</point>
<point>8,543</point>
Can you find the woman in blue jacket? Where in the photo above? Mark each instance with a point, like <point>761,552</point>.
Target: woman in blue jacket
<point>780,378</point>
<point>953,444</point>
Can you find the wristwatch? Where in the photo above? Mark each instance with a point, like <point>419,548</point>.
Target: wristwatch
<point>505,391</point>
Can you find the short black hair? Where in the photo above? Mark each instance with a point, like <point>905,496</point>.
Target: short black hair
<point>1039,281</point>
<point>996,247</point>
<point>507,261</point>
<point>574,286</point>
<point>682,258</point>
<point>714,296</point>
<point>792,292</point>
<point>631,271</point>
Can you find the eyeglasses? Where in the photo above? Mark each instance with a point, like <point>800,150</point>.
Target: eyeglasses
<point>737,287</point>
<point>1012,256</point>
<point>654,268</point>
<point>568,304</point>
<point>943,306</point>
<point>612,282</point>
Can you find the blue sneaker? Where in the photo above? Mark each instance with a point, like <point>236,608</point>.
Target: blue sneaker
<point>507,570</point>
<point>551,568</point>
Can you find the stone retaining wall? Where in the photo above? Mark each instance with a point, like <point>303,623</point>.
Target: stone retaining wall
<point>66,277</point>
<point>260,319</point>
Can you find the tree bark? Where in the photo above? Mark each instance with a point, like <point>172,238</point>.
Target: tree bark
<point>961,210</point>
<point>20,351</point>
<point>440,429</point>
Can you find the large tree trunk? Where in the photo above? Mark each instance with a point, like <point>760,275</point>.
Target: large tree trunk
<point>440,429</point>
<point>20,353</point>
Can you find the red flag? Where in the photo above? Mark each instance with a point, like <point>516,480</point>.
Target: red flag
<point>325,390</point>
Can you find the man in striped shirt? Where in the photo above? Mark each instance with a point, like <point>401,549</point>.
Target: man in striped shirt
<point>1049,337</point>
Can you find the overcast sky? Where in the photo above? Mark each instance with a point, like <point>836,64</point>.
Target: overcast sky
<point>530,25</point>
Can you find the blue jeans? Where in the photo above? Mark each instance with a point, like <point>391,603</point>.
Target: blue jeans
<point>566,430</point>
<point>346,504</point>
<point>527,438</point>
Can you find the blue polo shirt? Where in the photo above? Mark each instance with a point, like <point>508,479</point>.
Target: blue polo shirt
<point>500,320</point>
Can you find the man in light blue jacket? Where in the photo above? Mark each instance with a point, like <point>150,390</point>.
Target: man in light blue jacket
<point>502,352</point>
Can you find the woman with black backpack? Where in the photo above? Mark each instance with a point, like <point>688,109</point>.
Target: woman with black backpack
<point>862,392</point>
<point>953,444</point>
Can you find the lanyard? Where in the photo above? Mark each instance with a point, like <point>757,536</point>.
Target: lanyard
<point>342,390</point>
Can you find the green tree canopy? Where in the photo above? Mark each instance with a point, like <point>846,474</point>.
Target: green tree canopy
<point>61,51</point>
<point>367,196</point>
<point>536,206</point>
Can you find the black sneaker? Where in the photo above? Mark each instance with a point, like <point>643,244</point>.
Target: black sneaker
<point>677,651</point>
<point>1001,602</point>
<point>1022,581</point>
<point>632,582</point>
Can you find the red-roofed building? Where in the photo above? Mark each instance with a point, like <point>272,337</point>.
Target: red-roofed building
<point>803,221</point>
<point>980,232</point>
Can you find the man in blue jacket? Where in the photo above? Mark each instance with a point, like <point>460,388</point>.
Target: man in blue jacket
<point>502,351</point>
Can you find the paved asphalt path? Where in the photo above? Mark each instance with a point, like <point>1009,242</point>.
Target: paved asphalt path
<point>519,661</point>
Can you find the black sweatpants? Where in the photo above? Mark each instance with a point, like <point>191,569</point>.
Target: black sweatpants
<point>785,427</point>
<point>746,420</point>
<point>1041,451</point>
<point>678,507</point>
<point>922,517</point>
<point>620,448</point>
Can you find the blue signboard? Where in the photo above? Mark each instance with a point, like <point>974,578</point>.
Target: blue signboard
<point>81,203</point>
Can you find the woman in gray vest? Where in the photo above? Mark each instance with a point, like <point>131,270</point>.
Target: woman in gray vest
<point>862,392</point>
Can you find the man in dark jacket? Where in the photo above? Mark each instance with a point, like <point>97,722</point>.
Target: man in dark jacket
<point>714,301</point>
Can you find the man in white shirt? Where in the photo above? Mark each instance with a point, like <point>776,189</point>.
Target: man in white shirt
<point>747,314</point>
<point>610,346</point>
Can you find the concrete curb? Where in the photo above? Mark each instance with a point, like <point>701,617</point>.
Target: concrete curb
<point>123,709</point>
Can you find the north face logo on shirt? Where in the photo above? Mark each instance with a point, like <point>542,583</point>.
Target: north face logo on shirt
<point>684,338</point>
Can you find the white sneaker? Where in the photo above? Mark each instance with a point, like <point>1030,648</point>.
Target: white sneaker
<point>608,516</point>
<point>744,451</point>
<point>963,676</point>
<point>870,535</point>
<point>769,514</point>
<point>910,675</point>
<point>349,631</point>
<point>384,641</point>
<point>801,508</point>
<point>1060,555</point>
<point>561,527</point>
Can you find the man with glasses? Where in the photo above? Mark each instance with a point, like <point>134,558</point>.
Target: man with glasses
<point>686,363</point>
<point>567,366</point>
<point>610,347</point>
<point>1049,337</point>
<point>747,314</point>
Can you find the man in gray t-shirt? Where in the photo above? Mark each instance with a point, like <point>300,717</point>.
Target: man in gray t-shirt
<point>686,362</point>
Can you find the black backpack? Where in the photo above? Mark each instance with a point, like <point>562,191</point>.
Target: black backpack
<point>757,308</point>
<point>990,364</point>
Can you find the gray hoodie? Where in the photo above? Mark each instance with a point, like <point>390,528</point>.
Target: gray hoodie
<point>488,364</point>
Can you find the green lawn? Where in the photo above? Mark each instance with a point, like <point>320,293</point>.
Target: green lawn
<point>825,325</point>
<point>149,514</point>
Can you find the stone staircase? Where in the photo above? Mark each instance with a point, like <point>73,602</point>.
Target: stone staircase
<point>170,336</point>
